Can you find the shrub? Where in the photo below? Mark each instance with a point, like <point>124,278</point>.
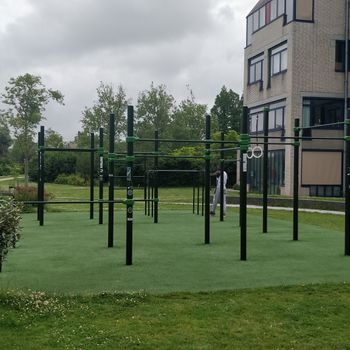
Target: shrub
<point>72,179</point>
<point>9,227</point>
<point>30,194</point>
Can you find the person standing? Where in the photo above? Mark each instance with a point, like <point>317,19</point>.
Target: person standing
<point>216,197</point>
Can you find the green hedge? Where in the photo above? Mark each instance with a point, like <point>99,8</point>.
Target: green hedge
<point>9,227</point>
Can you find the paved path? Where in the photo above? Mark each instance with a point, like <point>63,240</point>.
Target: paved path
<point>331,212</point>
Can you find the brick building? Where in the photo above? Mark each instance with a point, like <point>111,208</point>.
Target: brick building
<point>295,65</point>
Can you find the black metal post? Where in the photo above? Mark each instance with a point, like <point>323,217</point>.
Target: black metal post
<point>92,171</point>
<point>202,199</point>
<point>145,185</point>
<point>296,181</point>
<point>347,187</point>
<point>39,176</point>
<point>222,161</point>
<point>100,178</point>
<point>111,180</point>
<point>265,168</point>
<point>243,184</point>
<point>156,150</point>
<point>207,181</point>
<point>197,198</point>
<point>42,175</point>
<point>193,198</point>
<point>130,188</point>
<point>148,194</point>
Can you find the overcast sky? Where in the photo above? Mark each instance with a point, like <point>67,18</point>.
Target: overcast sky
<point>75,44</point>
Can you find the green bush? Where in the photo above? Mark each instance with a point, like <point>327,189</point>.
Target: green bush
<point>9,227</point>
<point>55,164</point>
<point>72,179</point>
<point>29,193</point>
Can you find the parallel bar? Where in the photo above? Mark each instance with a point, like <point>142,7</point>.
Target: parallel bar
<point>222,155</point>
<point>243,189</point>
<point>207,182</point>
<point>111,182</point>
<point>156,164</point>
<point>296,182</point>
<point>92,171</point>
<point>130,188</point>
<point>265,168</point>
<point>100,178</point>
<point>197,199</point>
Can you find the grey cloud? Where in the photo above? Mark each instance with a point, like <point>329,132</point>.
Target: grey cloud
<point>57,28</point>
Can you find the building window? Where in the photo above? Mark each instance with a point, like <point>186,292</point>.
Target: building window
<point>323,111</point>
<point>276,172</point>
<point>276,117</point>
<point>255,66</point>
<point>340,56</point>
<point>279,59</point>
<point>264,15</point>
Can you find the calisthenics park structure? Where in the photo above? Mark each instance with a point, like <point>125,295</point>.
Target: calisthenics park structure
<point>244,146</point>
<point>200,193</point>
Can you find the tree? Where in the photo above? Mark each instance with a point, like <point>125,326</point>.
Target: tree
<point>27,97</point>
<point>188,120</point>
<point>228,109</point>
<point>154,109</point>
<point>5,139</point>
<point>53,139</point>
<point>108,101</point>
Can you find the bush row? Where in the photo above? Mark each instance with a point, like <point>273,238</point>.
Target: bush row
<point>68,168</point>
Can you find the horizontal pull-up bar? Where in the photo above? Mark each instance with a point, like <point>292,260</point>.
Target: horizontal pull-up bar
<point>188,141</point>
<point>174,171</point>
<point>51,149</point>
<point>302,138</point>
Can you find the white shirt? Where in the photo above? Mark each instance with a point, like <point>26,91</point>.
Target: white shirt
<point>218,181</point>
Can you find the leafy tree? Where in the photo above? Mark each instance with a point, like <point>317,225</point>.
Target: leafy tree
<point>228,109</point>
<point>5,139</point>
<point>108,101</point>
<point>27,98</point>
<point>53,139</point>
<point>189,120</point>
<point>154,109</point>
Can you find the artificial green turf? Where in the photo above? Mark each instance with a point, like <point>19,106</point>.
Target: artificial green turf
<point>69,255</point>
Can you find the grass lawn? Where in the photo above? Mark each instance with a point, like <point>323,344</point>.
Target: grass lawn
<point>303,317</point>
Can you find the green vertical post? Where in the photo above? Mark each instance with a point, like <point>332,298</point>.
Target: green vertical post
<point>100,177</point>
<point>222,156</point>
<point>129,182</point>
<point>92,171</point>
<point>111,180</point>
<point>156,164</point>
<point>265,168</point>
<point>243,183</point>
<point>207,181</point>
<point>296,181</point>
